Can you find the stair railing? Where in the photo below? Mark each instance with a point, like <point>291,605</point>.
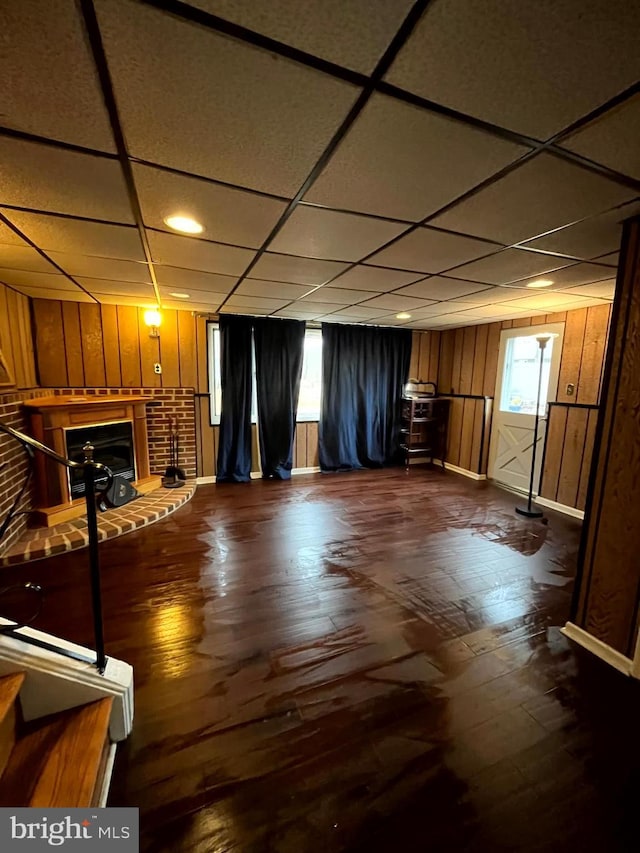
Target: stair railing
<point>89,468</point>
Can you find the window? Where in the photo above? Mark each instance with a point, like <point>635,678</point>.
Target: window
<point>521,373</point>
<point>310,385</point>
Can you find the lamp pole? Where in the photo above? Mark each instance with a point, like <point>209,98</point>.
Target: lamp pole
<point>529,511</point>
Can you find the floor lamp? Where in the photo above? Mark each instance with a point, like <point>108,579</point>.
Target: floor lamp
<point>529,510</point>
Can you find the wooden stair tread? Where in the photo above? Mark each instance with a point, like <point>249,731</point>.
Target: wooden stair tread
<point>57,762</point>
<point>9,688</point>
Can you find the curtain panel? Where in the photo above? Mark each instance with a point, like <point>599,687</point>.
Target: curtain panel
<point>279,349</point>
<point>363,373</point>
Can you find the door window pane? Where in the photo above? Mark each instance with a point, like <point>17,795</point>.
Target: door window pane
<point>520,377</point>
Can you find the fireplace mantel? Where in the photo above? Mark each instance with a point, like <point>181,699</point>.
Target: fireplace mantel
<point>51,417</point>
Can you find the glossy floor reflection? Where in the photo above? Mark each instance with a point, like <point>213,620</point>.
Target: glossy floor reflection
<point>363,662</point>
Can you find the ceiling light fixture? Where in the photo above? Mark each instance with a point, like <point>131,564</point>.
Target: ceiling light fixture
<point>184,223</point>
<point>540,282</point>
<point>180,295</point>
<point>403,316</point>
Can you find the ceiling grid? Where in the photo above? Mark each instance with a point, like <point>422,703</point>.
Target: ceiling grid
<point>348,162</point>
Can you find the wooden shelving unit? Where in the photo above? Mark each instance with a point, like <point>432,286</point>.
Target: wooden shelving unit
<point>424,428</point>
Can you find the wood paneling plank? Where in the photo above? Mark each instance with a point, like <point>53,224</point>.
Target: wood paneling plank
<point>202,343</point>
<point>434,356</point>
<point>92,344</point>
<point>73,344</point>
<point>556,425</point>
<point>491,366</point>
<point>52,363</point>
<point>466,435</point>
<point>169,350</point>
<point>594,343</point>
<point>445,372</point>
<point>572,453</point>
<point>571,355</point>
<point>583,485</point>
<point>149,353</point>
<point>111,341</point>
<point>129,338</point>
<point>468,355</point>
<point>456,367</point>
<point>188,359</point>
<point>456,410</point>
<point>479,359</point>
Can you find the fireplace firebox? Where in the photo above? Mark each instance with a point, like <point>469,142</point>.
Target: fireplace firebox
<point>113,447</point>
<point>116,425</point>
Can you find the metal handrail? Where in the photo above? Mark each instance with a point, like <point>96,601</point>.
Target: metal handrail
<point>89,468</point>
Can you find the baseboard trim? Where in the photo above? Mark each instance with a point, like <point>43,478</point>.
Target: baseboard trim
<point>611,656</point>
<point>558,507</point>
<point>257,475</point>
<point>464,471</point>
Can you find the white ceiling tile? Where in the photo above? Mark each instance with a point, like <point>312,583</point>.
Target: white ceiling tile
<point>24,258</point>
<point>19,278</point>
<point>509,265</point>
<point>176,278</point>
<point>190,253</point>
<point>318,233</point>
<point>313,305</point>
<point>602,289</point>
<point>393,302</point>
<point>45,178</point>
<point>439,287</point>
<point>8,236</point>
<point>124,288</point>
<point>189,305</point>
<point>590,238</point>
<point>111,268</point>
<point>78,236</point>
<point>612,259</point>
<point>531,67</point>
<point>123,299</point>
<point>297,270</point>
<point>294,313</point>
<point>55,93</point>
<point>492,311</point>
<point>227,215</point>
<point>363,277</point>
<point>352,33</point>
<point>544,193</point>
<point>545,300</point>
<point>339,294</point>
<point>272,289</point>
<point>196,298</point>
<point>490,295</point>
<point>75,295</point>
<point>215,106</point>
<point>430,250</point>
<point>576,274</point>
<point>612,139</point>
<point>256,303</point>
<point>402,161</point>
<point>435,309</point>
<point>364,312</point>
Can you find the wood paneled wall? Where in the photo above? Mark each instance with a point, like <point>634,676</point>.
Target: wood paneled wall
<point>568,453</point>
<point>608,600</point>
<point>89,345</point>
<point>16,339</point>
<point>468,365</point>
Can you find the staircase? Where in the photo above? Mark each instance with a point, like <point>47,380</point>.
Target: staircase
<point>63,759</point>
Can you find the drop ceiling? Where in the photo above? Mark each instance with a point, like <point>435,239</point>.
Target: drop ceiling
<point>348,159</point>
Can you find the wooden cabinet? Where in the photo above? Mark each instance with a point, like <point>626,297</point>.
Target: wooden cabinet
<point>424,427</point>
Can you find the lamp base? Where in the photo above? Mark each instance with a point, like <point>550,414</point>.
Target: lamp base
<point>534,512</point>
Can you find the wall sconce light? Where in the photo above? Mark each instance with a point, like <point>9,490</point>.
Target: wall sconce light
<point>152,319</point>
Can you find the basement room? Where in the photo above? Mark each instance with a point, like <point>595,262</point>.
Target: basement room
<point>319,393</point>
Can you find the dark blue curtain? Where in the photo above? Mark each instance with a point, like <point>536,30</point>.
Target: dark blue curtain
<point>363,371</point>
<point>234,445</point>
<point>279,347</point>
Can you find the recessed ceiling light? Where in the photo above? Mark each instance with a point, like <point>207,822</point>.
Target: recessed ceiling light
<point>185,224</point>
<point>180,295</point>
<point>540,282</point>
<point>403,316</point>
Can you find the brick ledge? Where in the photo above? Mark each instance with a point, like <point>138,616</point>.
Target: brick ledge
<point>40,543</point>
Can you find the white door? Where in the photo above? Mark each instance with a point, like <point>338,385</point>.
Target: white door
<point>514,407</point>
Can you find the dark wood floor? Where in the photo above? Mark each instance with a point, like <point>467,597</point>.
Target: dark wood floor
<point>362,662</point>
